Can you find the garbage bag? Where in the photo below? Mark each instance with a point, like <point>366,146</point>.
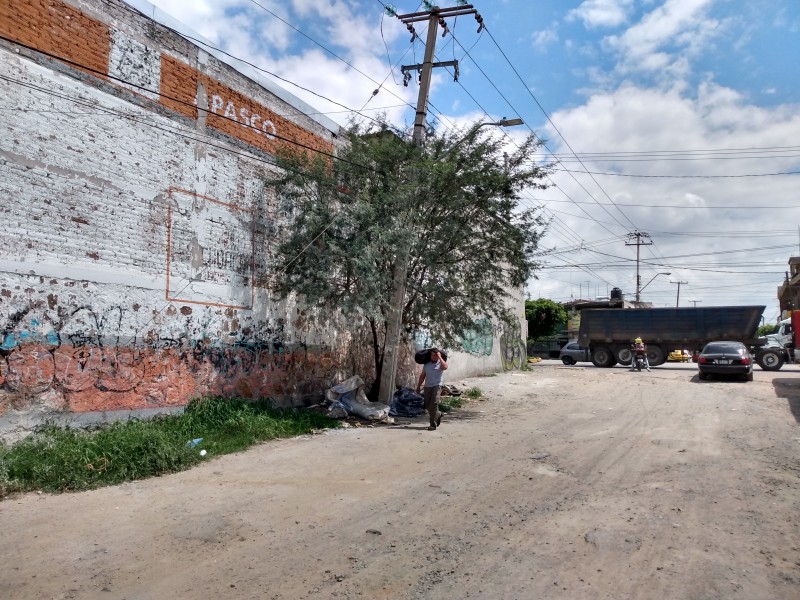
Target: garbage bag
<point>424,356</point>
<point>406,403</point>
<point>349,397</point>
<point>351,384</point>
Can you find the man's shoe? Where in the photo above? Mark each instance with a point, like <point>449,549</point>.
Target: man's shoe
<point>431,427</point>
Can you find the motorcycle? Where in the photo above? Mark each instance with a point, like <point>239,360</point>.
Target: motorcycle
<point>638,360</point>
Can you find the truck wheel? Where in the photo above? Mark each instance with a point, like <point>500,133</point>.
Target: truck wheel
<point>624,356</point>
<point>656,356</point>
<point>567,360</point>
<point>770,360</point>
<point>603,357</point>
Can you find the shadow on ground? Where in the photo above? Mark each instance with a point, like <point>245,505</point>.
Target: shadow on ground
<point>789,388</point>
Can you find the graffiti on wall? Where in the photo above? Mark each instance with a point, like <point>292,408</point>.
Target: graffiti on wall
<point>84,360</point>
<point>513,353</point>
<point>479,339</point>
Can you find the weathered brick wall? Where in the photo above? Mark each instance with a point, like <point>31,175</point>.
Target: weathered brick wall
<point>137,234</point>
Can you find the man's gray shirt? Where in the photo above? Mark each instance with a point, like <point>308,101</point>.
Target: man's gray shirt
<point>434,374</point>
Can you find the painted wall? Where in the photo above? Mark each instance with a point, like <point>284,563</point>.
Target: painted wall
<point>137,238</point>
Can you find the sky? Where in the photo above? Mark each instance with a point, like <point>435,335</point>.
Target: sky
<point>677,119</point>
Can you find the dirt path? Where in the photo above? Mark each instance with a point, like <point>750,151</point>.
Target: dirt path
<point>566,483</point>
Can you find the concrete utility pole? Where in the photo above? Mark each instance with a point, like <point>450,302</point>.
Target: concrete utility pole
<point>435,17</point>
<point>640,236</point>
<point>678,299</point>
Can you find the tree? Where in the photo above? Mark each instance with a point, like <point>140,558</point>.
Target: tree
<point>544,317</point>
<point>767,329</point>
<point>454,203</point>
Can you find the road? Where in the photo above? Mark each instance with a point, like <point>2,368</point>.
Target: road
<point>564,483</point>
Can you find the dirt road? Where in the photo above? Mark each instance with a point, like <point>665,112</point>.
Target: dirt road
<point>565,483</point>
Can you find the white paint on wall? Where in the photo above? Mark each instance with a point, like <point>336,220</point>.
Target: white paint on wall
<point>132,61</point>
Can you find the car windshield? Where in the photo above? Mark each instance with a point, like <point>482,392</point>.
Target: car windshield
<point>723,348</point>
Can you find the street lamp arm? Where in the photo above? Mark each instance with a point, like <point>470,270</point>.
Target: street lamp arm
<point>641,289</point>
<point>473,131</point>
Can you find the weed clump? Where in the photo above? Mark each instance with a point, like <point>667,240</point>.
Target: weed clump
<point>59,459</point>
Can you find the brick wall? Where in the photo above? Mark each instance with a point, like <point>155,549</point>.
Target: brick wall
<point>135,228</point>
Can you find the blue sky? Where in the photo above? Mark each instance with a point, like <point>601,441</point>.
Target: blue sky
<point>693,104</point>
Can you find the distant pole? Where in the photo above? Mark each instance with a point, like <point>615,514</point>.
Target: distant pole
<point>638,235</point>
<point>678,299</point>
<point>694,302</point>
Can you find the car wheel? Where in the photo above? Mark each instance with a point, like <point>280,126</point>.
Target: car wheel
<point>749,376</point>
<point>702,376</point>
<point>567,360</point>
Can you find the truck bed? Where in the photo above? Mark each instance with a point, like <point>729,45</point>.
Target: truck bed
<point>678,327</point>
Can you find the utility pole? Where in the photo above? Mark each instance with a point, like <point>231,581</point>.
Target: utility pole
<point>642,239</point>
<point>435,16</point>
<point>694,302</point>
<point>678,299</point>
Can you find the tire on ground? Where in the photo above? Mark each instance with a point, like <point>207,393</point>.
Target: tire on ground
<point>624,355</point>
<point>567,360</point>
<point>656,356</point>
<point>770,359</point>
<point>603,357</point>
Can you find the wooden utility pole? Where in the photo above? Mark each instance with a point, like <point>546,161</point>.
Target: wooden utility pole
<point>678,298</point>
<point>435,17</point>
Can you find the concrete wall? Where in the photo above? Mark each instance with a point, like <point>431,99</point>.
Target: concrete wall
<point>137,238</point>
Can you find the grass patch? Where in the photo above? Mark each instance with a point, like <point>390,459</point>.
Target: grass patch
<point>58,459</point>
<point>473,393</point>
<point>448,403</point>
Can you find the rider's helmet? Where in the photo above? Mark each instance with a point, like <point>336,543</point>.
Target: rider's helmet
<point>638,340</point>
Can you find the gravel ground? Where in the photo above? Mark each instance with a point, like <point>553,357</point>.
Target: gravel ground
<point>562,483</point>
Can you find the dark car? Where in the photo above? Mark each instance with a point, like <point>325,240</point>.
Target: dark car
<point>725,358</point>
<point>572,353</point>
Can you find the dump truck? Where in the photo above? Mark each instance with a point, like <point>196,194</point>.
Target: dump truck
<point>608,332</point>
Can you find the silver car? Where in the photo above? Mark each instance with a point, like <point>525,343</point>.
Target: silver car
<point>572,353</point>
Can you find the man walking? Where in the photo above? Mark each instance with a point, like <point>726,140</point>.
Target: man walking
<point>432,376</point>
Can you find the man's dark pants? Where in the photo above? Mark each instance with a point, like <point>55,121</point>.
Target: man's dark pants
<point>431,396</point>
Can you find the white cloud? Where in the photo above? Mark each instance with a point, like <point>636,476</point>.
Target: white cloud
<point>602,13</point>
<point>677,26</point>
<point>545,37</point>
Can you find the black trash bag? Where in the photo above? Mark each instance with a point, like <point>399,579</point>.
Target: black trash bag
<point>424,356</point>
<point>406,403</point>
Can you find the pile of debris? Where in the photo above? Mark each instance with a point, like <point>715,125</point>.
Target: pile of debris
<point>348,399</point>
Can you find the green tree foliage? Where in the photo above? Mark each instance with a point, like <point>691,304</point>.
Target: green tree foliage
<point>545,317</point>
<point>767,329</point>
<point>454,202</point>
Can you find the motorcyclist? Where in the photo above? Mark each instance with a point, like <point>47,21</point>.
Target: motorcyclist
<point>639,347</point>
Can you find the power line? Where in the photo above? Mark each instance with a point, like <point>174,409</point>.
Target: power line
<point>683,176</point>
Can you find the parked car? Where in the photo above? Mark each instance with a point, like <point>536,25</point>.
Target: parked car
<point>725,358</point>
<point>572,353</point>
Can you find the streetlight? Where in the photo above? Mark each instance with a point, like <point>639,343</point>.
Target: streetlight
<point>501,123</point>
<point>651,281</point>
<point>504,122</point>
